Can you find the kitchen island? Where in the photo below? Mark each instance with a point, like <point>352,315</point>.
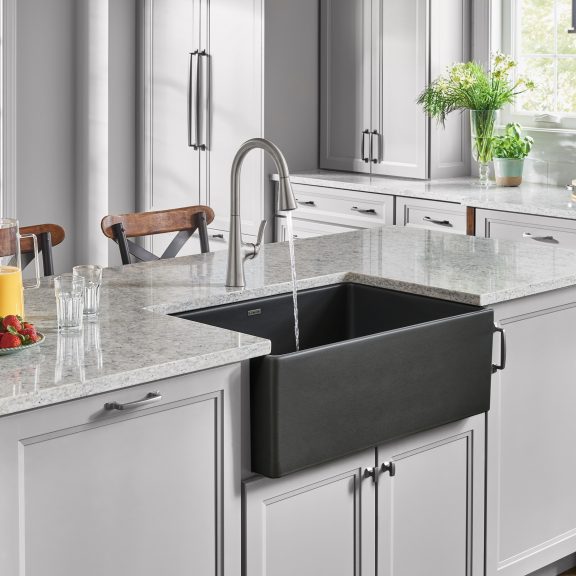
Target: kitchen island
<point>52,398</point>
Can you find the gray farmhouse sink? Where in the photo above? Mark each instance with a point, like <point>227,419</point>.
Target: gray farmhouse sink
<point>374,364</point>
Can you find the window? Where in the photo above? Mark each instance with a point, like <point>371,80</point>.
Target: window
<point>535,33</point>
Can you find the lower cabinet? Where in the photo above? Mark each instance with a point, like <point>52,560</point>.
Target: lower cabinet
<point>534,229</point>
<point>323,210</point>
<point>431,215</point>
<point>531,495</point>
<point>414,506</point>
<point>144,487</point>
<point>306,229</point>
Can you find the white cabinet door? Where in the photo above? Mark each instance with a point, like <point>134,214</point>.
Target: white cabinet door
<point>137,492</point>
<point>173,176</point>
<point>235,109</point>
<point>399,74</point>
<point>346,52</point>
<point>430,508</point>
<point>377,57</point>
<point>449,144</point>
<point>318,521</point>
<point>531,500</point>
<point>226,80</point>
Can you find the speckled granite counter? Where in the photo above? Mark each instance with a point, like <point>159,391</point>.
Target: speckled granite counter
<point>134,340</point>
<point>528,198</point>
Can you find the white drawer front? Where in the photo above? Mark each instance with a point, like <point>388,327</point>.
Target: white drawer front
<point>344,207</point>
<point>529,228</point>
<point>431,214</point>
<point>306,229</point>
<point>217,240</point>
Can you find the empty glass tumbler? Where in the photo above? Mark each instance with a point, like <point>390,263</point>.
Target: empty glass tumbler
<point>69,291</point>
<point>92,274</point>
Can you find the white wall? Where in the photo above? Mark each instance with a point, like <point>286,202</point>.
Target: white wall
<point>122,112</point>
<point>45,118</point>
<point>67,172</point>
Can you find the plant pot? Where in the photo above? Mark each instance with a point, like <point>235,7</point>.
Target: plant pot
<point>508,171</point>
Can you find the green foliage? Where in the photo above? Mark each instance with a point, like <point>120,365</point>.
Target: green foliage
<point>467,86</point>
<point>512,144</point>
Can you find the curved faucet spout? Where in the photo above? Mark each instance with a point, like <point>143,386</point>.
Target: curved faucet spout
<point>238,250</point>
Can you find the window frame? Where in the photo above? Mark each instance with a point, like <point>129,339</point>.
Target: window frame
<point>504,14</point>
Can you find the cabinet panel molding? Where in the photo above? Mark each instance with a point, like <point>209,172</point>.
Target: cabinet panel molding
<point>89,490</point>
<point>531,503</point>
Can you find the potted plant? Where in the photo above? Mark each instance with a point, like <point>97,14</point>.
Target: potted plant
<point>468,86</point>
<point>509,151</point>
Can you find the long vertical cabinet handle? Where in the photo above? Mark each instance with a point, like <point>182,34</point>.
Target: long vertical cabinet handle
<point>363,146</point>
<point>193,100</point>
<point>374,150</point>
<point>203,98</point>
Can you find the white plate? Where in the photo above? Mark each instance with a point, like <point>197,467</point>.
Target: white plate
<point>4,351</point>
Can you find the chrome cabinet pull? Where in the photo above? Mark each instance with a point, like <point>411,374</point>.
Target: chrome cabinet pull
<point>375,157</point>
<point>370,473</point>
<point>502,365</point>
<point>306,202</point>
<point>389,467</point>
<point>150,397</point>
<point>219,236</point>
<point>363,146</point>
<point>547,239</point>
<point>439,222</point>
<point>193,100</point>
<point>202,101</point>
<point>363,210</point>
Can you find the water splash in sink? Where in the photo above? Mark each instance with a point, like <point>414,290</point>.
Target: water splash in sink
<point>290,234</point>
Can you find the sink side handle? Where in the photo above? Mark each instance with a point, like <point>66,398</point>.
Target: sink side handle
<point>502,365</point>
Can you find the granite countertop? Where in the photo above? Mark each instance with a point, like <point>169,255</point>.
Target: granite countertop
<point>528,198</point>
<point>135,341</point>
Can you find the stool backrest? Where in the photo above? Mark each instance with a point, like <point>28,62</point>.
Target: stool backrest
<point>185,221</point>
<point>48,235</point>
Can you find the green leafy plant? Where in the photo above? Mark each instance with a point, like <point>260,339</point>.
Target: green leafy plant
<point>468,86</point>
<point>512,144</point>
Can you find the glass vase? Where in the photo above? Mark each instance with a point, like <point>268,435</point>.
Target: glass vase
<point>482,131</point>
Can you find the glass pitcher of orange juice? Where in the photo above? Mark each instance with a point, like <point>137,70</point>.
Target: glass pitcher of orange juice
<point>11,284</point>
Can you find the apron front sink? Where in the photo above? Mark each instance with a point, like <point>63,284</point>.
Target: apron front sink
<point>373,365</point>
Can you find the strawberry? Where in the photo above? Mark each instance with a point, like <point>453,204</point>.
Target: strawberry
<point>28,328</point>
<point>29,334</point>
<point>13,321</point>
<point>9,340</point>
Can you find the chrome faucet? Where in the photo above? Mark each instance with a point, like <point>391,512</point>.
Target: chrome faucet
<point>239,250</point>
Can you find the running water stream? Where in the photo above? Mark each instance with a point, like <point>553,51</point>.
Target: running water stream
<point>290,232</point>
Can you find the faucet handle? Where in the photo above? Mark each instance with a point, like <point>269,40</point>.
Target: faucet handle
<point>261,230</point>
<point>251,249</point>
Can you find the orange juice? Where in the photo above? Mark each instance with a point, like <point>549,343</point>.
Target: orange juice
<point>11,291</point>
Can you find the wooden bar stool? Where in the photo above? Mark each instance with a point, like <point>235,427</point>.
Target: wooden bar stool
<point>185,221</point>
<point>48,235</point>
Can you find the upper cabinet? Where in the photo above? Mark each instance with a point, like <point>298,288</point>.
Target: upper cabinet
<point>377,56</point>
<point>215,73</point>
<point>202,100</point>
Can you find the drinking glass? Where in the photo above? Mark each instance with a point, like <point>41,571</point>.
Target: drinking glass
<point>92,274</point>
<point>70,357</point>
<point>69,291</point>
